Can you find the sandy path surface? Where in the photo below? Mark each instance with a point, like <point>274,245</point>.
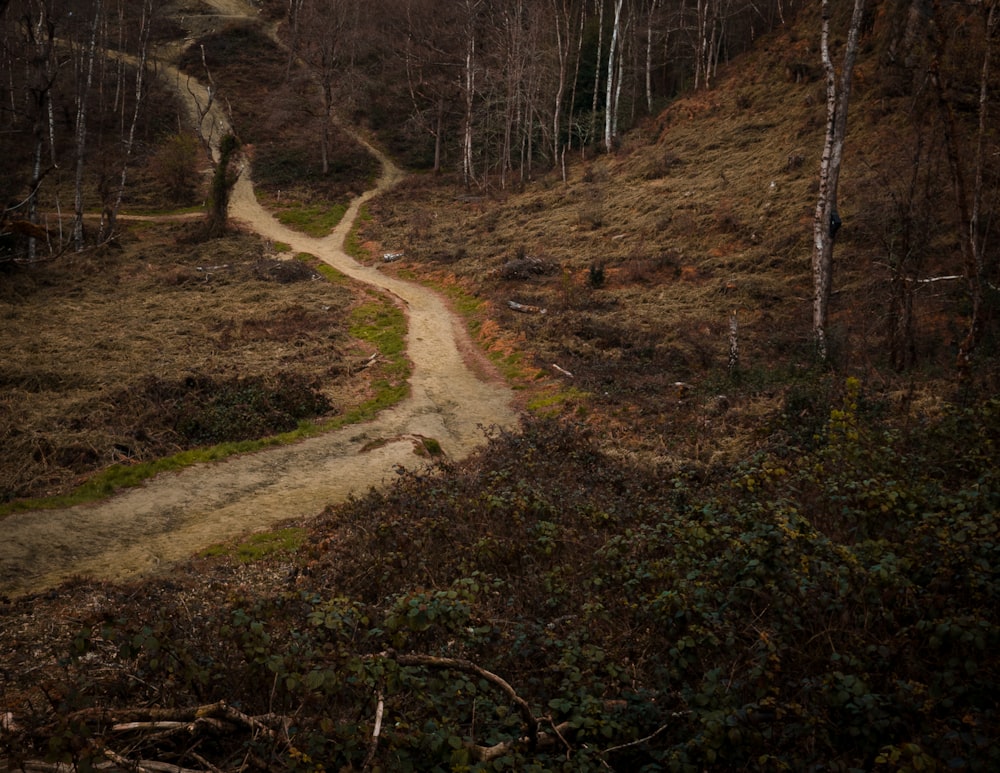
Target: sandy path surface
<point>143,530</point>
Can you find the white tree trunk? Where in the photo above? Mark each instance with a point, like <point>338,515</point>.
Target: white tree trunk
<point>470,86</point>
<point>110,214</point>
<point>597,70</point>
<point>619,80</point>
<point>610,106</point>
<point>827,220</point>
<point>40,37</point>
<point>561,17</point>
<point>701,46</point>
<point>572,98</point>
<point>972,239</point>
<point>653,5</point>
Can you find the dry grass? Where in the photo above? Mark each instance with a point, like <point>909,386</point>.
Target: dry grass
<point>83,336</point>
<point>705,211</point>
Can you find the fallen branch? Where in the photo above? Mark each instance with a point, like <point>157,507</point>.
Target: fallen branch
<point>562,370</point>
<point>525,308</point>
<point>468,667</point>
<point>638,742</point>
<point>125,727</point>
<point>156,722</point>
<point>376,732</point>
<point>147,766</point>
<point>543,740</point>
<point>931,279</point>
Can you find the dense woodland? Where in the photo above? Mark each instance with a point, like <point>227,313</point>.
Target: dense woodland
<point>699,553</point>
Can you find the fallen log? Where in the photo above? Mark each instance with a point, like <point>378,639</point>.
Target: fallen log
<point>525,308</point>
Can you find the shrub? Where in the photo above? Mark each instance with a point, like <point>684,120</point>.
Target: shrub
<point>833,608</point>
<point>175,167</point>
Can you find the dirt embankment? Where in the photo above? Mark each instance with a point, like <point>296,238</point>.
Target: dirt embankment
<point>454,394</point>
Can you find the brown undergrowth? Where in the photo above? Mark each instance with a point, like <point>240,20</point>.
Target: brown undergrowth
<point>129,355</point>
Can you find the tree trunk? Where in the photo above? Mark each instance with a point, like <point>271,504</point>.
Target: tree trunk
<point>561,17</point>
<point>975,243</point>
<point>109,214</point>
<point>40,40</point>
<point>438,134</point>
<point>597,71</point>
<point>701,45</point>
<point>468,172</point>
<point>827,219</point>
<point>81,129</point>
<point>572,98</point>
<point>327,117</point>
<point>653,5</point>
<point>222,185</point>
<point>610,105</point>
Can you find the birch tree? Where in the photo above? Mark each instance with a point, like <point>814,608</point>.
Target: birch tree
<point>827,219</point>
<point>706,11</point>
<point>469,87</point>
<point>562,15</point>
<point>970,204</point>
<point>613,80</point>
<point>650,36</point>
<point>515,63</point>
<point>592,134</point>
<point>40,35</point>
<point>83,93</point>
<point>109,210</point>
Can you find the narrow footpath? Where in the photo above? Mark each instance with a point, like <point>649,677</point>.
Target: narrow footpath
<point>455,394</point>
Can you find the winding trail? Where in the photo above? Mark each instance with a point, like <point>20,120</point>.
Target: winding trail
<point>454,394</point>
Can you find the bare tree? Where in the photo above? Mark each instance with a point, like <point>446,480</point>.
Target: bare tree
<point>827,219</point>
<point>566,16</point>
<point>82,96</point>
<point>705,42</point>
<point>329,32</point>
<point>40,35</point>
<point>294,18</point>
<point>972,237</point>
<point>469,87</point>
<point>613,80</point>
<point>597,69</point>
<point>109,212</point>
<point>425,40</point>
<point>653,6</point>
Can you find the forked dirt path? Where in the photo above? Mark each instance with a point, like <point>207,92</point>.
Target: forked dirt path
<point>143,530</point>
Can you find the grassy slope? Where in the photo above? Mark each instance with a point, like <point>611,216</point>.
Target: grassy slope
<point>706,211</point>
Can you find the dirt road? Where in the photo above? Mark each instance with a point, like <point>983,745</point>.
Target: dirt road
<point>454,394</point>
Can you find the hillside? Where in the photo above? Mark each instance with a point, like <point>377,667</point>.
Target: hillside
<point>704,213</point>
<point>677,562</point>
